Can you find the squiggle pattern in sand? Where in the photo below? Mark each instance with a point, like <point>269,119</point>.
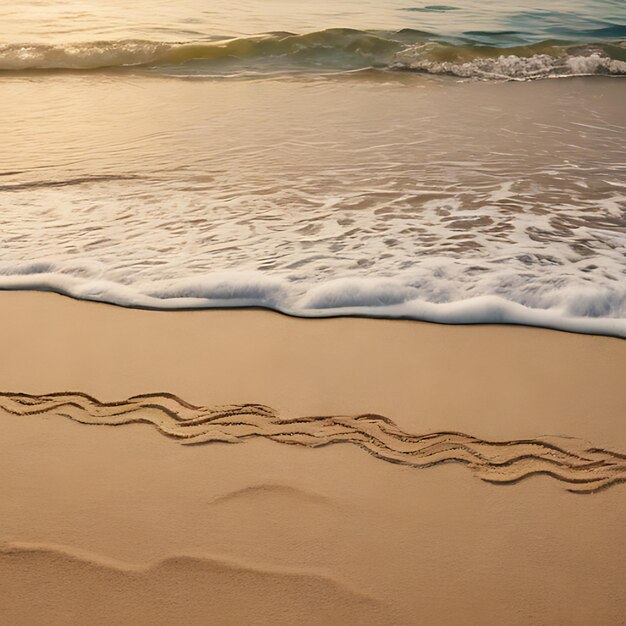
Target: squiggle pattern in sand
<point>585,469</point>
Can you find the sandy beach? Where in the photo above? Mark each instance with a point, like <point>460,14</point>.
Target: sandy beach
<point>107,525</point>
<point>312,313</point>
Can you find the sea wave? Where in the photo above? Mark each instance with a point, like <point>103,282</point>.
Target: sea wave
<point>332,50</point>
<point>575,308</point>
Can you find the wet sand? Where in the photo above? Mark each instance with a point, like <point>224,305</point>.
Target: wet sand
<point>113,524</point>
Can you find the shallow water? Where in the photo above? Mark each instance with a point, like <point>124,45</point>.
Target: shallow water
<point>163,20</point>
<point>287,179</point>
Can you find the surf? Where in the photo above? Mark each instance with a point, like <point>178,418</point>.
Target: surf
<point>481,55</point>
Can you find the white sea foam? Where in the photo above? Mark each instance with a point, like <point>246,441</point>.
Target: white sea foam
<point>598,310</point>
<point>513,67</point>
<point>446,264</point>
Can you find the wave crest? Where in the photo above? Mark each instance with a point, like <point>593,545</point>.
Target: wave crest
<point>329,50</point>
<point>588,62</point>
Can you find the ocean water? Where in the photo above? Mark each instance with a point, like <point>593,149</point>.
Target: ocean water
<point>459,163</point>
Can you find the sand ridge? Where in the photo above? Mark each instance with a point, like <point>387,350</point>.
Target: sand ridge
<point>173,589</point>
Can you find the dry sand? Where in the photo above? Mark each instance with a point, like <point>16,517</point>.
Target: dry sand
<point>110,525</point>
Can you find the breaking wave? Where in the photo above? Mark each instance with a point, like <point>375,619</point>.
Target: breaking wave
<point>581,467</point>
<point>328,51</point>
<point>562,63</point>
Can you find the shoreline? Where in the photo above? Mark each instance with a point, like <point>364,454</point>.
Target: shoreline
<point>486,310</point>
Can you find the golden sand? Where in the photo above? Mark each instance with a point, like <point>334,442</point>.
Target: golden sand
<point>394,522</point>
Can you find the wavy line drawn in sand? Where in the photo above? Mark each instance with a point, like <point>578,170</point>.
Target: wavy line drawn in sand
<point>583,468</point>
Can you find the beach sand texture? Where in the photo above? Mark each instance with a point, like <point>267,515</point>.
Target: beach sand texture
<point>312,313</point>
<point>397,522</point>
